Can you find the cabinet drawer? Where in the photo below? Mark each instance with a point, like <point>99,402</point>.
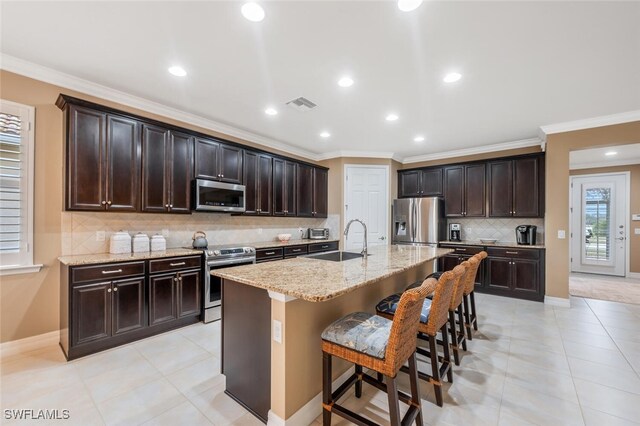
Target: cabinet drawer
<point>470,250</point>
<point>269,253</point>
<point>295,250</point>
<point>316,247</point>
<point>514,252</point>
<point>174,264</point>
<point>106,271</point>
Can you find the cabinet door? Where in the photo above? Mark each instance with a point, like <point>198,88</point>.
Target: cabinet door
<point>123,164</point>
<point>454,191</point>
<point>163,304</point>
<point>265,184</point>
<point>431,182</point>
<point>279,201</point>
<point>230,164</point>
<point>304,190</point>
<point>206,154</point>
<point>320,192</point>
<point>500,188</point>
<point>409,184</point>
<point>474,191</point>
<point>154,161</point>
<point>448,262</point>
<point>179,172</point>
<point>91,311</point>
<point>526,191</point>
<point>525,277</point>
<point>250,180</point>
<point>128,305</point>
<point>498,273</point>
<point>290,188</point>
<point>86,147</point>
<point>188,293</point>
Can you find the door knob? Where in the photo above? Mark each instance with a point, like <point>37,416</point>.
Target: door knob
<point>621,238</point>
<point>382,238</point>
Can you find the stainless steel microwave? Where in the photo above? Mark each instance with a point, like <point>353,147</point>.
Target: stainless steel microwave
<point>214,196</point>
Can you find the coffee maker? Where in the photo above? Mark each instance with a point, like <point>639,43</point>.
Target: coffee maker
<point>526,235</point>
<point>454,232</point>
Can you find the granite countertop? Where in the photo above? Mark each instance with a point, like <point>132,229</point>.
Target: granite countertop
<point>272,244</point>
<point>90,259</point>
<point>508,244</point>
<point>317,280</point>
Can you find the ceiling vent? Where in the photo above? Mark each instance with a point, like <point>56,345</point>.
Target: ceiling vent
<point>302,104</point>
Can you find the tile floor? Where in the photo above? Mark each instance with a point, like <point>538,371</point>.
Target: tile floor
<point>528,364</point>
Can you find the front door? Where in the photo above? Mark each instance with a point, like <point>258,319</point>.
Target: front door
<point>367,199</point>
<point>598,224</point>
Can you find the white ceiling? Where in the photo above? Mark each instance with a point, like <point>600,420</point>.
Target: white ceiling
<point>524,65</point>
<point>597,157</point>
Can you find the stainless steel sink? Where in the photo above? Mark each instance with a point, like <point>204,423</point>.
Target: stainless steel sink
<point>337,256</point>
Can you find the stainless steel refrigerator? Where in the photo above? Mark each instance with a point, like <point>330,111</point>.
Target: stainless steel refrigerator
<point>418,221</point>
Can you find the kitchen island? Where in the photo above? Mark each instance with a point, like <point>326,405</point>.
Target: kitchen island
<point>273,315</point>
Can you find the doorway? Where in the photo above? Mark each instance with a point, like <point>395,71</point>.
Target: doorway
<point>599,223</point>
<point>366,198</point>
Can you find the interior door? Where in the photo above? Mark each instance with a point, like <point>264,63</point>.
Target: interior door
<point>367,199</point>
<point>598,224</point>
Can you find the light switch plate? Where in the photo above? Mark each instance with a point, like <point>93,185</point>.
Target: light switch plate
<point>100,235</point>
<point>165,232</point>
<point>277,331</point>
<point>635,217</point>
<point>562,234</point>
<point>636,231</point>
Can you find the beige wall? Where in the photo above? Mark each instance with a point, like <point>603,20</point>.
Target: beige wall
<point>557,193</point>
<point>634,206</point>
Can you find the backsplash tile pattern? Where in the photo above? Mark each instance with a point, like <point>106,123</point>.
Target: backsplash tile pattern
<point>502,229</point>
<point>79,228</point>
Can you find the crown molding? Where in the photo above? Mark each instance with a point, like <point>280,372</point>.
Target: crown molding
<point>596,164</point>
<point>524,143</point>
<point>360,154</point>
<point>51,76</point>
<point>589,123</point>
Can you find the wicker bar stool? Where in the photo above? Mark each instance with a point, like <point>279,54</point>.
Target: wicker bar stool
<point>469,300</point>
<point>381,345</point>
<point>458,338</point>
<point>434,318</point>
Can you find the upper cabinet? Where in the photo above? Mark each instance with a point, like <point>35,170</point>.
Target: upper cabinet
<point>284,187</point>
<point>516,187</point>
<point>312,191</point>
<point>103,161</point>
<point>258,175</point>
<point>464,190</point>
<point>218,161</point>
<point>420,183</point>
<point>320,192</point>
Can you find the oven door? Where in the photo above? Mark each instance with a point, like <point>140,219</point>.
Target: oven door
<point>213,286</point>
<point>215,196</point>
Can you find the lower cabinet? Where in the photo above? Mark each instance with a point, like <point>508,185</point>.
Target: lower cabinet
<point>269,254</point>
<point>461,254</point>
<point>173,296</point>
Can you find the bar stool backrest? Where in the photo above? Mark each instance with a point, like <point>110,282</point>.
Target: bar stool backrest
<point>439,313</point>
<point>471,266</point>
<point>469,286</point>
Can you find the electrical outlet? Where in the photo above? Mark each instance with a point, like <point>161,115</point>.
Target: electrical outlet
<point>259,230</point>
<point>100,235</point>
<point>636,231</point>
<point>165,232</point>
<point>562,234</point>
<point>277,331</point>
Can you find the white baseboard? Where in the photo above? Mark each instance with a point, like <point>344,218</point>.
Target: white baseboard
<point>634,275</point>
<point>557,301</point>
<point>310,411</point>
<point>29,344</point>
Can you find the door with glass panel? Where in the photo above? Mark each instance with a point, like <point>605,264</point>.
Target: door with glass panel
<point>598,224</point>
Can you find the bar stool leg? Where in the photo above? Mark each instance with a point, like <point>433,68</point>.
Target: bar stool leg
<point>474,316</point>
<point>380,377</point>
<point>435,369</point>
<point>461,332</point>
<point>415,391</point>
<point>446,359</point>
<point>467,316</point>
<point>359,381</point>
<point>326,389</point>
<point>454,337</point>
<point>394,405</point>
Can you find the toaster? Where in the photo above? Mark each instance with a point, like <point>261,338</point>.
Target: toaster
<point>318,233</point>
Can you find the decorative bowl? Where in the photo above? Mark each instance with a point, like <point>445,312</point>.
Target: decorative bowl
<point>488,240</point>
<point>284,237</point>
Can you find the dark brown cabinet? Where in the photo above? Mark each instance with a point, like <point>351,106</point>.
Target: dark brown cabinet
<point>312,191</point>
<point>284,187</point>
<point>167,158</point>
<point>320,192</point>
<point>217,161</point>
<point>464,190</point>
<point>462,253</point>
<point>103,161</point>
<point>189,293</point>
<point>420,183</point>
<point>515,187</point>
<point>258,181</point>
<point>163,299</point>
<point>128,305</point>
<point>516,273</point>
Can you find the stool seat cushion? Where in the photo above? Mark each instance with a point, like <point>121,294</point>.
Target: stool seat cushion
<point>389,305</point>
<point>362,332</point>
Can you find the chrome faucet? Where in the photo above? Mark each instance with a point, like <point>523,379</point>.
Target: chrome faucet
<point>346,234</point>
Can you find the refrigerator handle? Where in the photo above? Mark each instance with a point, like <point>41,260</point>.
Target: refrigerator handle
<point>414,216</point>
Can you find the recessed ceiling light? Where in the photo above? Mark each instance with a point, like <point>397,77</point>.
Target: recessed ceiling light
<point>345,82</point>
<point>408,5</point>
<point>325,135</point>
<point>252,11</point>
<point>610,153</point>
<point>271,111</point>
<point>177,71</point>
<point>391,117</point>
<point>418,139</point>
<point>452,77</point>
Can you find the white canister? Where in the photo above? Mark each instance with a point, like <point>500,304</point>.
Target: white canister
<point>120,242</point>
<point>158,243</point>
<point>140,243</point>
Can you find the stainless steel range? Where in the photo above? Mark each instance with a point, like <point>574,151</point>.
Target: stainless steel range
<point>216,258</point>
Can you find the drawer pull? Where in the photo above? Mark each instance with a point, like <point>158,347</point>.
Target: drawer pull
<point>511,252</point>
<point>270,253</point>
<point>296,250</point>
<point>177,264</point>
<point>325,246</point>
<point>461,249</point>
<point>115,271</point>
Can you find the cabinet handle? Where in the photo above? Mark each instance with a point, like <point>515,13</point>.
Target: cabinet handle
<point>511,252</point>
<point>108,290</point>
<point>221,176</point>
<point>115,271</point>
<point>103,203</point>
<point>461,249</point>
<point>177,264</point>
<point>269,253</point>
<point>108,203</point>
<point>166,206</point>
<point>170,206</point>
<point>296,250</point>
<point>115,289</point>
<point>325,246</point>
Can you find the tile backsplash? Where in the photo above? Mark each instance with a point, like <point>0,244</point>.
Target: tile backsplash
<point>79,228</point>
<point>502,229</point>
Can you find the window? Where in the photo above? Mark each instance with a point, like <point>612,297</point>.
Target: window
<point>16,188</point>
